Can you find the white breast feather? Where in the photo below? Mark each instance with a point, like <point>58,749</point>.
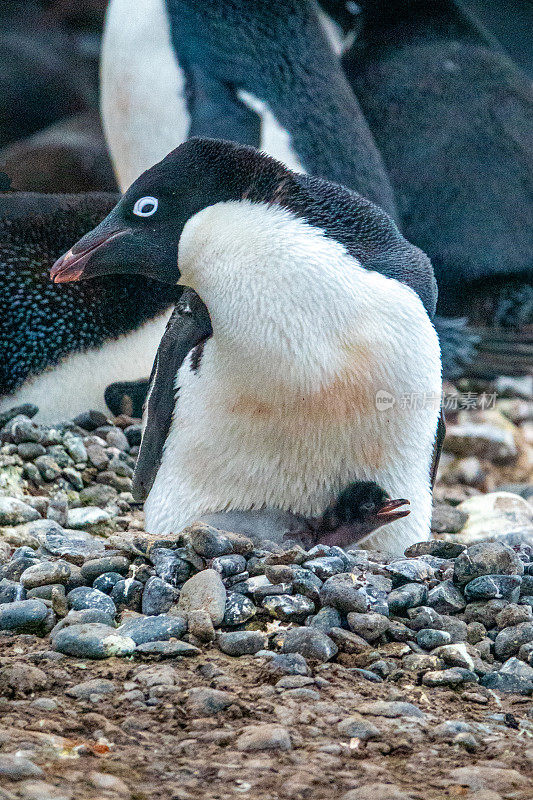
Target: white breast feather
<point>282,411</point>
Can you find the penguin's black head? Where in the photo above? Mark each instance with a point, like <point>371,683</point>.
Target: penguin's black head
<point>142,233</point>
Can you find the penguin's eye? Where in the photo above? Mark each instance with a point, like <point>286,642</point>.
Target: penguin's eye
<point>145,206</point>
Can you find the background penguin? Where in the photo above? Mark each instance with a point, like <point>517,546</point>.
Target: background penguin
<point>453,116</point>
<point>62,346</point>
<point>316,303</point>
<point>216,63</point>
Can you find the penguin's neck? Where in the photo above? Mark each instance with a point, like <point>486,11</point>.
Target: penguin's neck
<point>282,297</point>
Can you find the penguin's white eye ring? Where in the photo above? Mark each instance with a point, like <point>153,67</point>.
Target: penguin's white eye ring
<point>145,206</point>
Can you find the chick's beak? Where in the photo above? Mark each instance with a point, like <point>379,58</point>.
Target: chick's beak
<point>71,265</point>
<point>392,510</point>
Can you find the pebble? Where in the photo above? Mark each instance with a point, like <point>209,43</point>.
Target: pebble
<point>85,597</point>
<point>446,598</point>
<point>158,596</point>
<point>326,619</point>
<point>44,573</point>
<point>393,709</point>
<point>486,558</point>
<point>127,594</point>
<point>87,689</point>
<point>169,567</point>
<point>203,702</point>
<point>487,587</point>
<point>92,640</point>
<point>15,512</point>
<point>369,626</point>
<point>455,676</point>
<point>209,542</point>
<point>264,737</point>
<point>153,629</point>
<point>429,638</point>
<point>17,768</point>
<point>280,664</point>
<point>310,643</point>
<point>410,570</point>
<point>95,567</point>
<point>345,593</point>
<point>229,565</point>
<point>23,616</point>
<point>377,791</point>
<point>289,608</point>
<point>325,567</point>
<point>72,544</point>
<point>200,626</point>
<point>359,728</point>
<point>87,517</point>
<point>204,591</point>
<point>240,643</point>
<point>409,595</point>
<point>172,649</point>
<point>104,583</point>
<point>509,640</point>
<point>238,610</point>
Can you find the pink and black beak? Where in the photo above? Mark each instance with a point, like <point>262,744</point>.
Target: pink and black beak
<point>73,265</point>
<point>392,510</point>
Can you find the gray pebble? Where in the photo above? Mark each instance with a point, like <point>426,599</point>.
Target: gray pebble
<point>369,626</point>
<point>325,567</point>
<point>345,593</point>
<point>410,570</point>
<point>228,565</point>
<point>204,591</point>
<point>287,664</point>
<point>429,638</point>
<point>326,619</point>
<point>446,598</point>
<point>127,594</point>
<point>158,596</point>
<point>95,567</point>
<point>310,643</point>
<point>509,641</point>
<point>290,608</point>
<point>15,512</point>
<point>410,595</point>
<point>173,649</point>
<point>158,628</point>
<point>239,643</point>
<point>486,558</point>
<point>86,597</point>
<point>92,640</point>
<point>104,583</point>
<point>45,573</point>
<point>488,587</point>
<point>455,676</point>
<point>239,609</point>
<point>23,616</point>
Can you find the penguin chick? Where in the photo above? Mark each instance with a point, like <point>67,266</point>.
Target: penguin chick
<point>319,312</point>
<point>360,509</point>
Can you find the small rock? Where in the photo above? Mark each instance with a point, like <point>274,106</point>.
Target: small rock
<point>18,679</point>
<point>369,626</point>
<point>229,565</point>
<point>206,702</point>
<point>92,640</point>
<point>48,468</point>
<point>206,591</point>
<point>95,567</point>
<point>158,596</point>
<point>390,708</point>
<point>429,638</point>
<point>17,768</point>
<point>377,791</point>
<point>173,649</point>
<point>97,456</point>
<point>264,737</point>
<point>105,583</point>
<point>23,616</point>
<point>290,608</point>
<point>456,655</point>
<point>310,643</point>
<point>446,598</point>
<point>477,777</point>
<point>455,676</point>
<point>509,641</point>
<point>127,594</point>
<point>80,518</point>
<point>287,664</point>
<point>345,593</point>
<point>409,570</point>
<point>45,573</point>
<point>158,628</point>
<point>85,597</point>
<point>357,727</point>
<point>513,614</point>
<point>325,567</point>
<point>482,440</point>
<point>445,519</point>
<point>240,643</point>
<point>486,558</point>
<point>72,544</point>
<point>239,609</point>
<point>209,542</point>
<point>16,512</point>
<point>326,619</point>
<point>410,595</point>
<point>494,516</point>
<point>200,626</point>
<point>487,587</point>
<point>96,686</point>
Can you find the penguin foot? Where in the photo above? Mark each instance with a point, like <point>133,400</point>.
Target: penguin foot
<point>359,510</point>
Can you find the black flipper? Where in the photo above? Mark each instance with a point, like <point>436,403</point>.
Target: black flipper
<point>437,447</point>
<point>187,328</point>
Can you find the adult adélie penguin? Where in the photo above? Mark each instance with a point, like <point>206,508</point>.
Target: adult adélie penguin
<point>316,304</point>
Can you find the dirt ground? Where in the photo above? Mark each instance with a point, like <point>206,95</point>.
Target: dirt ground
<point>118,745</point>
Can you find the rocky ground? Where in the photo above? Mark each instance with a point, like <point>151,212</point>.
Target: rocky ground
<point>202,665</point>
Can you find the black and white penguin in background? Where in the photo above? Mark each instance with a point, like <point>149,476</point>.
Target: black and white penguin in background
<point>318,308</point>
<point>266,75</point>
<point>61,346</point>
